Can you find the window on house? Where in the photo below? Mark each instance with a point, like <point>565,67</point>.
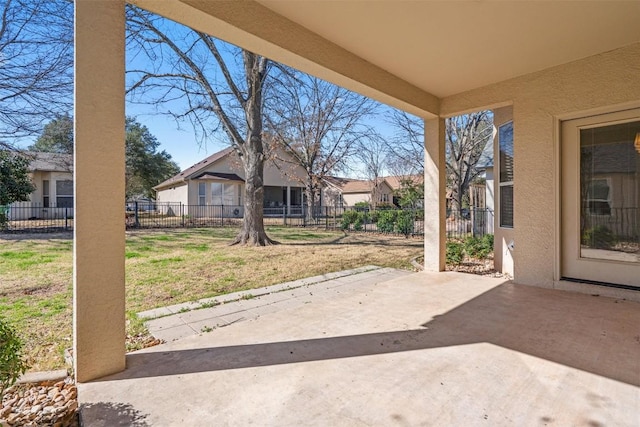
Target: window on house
<point>64,194</point>
<point>505,139</point>
<point>223,194</point>
<point>599,197</point>
<point>45,193</point>
<point>384,198</point>
<point>202,197</point>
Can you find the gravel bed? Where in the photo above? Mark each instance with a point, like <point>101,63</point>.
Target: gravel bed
<point>43,404</point>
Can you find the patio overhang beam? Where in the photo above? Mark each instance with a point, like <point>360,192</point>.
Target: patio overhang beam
<point>256,28</point>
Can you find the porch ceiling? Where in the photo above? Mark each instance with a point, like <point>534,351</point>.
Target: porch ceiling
<point>411,54</point>
<point>445,48</point>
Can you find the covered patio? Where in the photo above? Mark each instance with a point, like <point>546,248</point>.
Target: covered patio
<point>432,348</point>
<point>423,349</point>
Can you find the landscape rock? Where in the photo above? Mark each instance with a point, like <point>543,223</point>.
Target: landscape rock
<point>47,403</point>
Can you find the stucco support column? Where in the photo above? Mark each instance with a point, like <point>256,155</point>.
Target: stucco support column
<point>98,253</point>
<point>434,195</point>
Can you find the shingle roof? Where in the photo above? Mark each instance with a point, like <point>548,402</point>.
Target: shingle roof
<point>49,162</point>
<point>395,182</point>
<point>350,186</point>
<point>187,173</point>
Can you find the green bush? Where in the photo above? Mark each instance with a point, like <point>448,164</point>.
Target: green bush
<point>599,237</point>
<point>357,224</point>
<point>373,216</point>
<point>348,218</point>
<point>12,363</point>
<point>404,222</point>
<point>479,248</point>
<point>362,205</point>
<point>386,221</point>
<point>455,253</point>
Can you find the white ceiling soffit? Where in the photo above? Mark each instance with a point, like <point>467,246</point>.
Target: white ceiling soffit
<point>448,47</point>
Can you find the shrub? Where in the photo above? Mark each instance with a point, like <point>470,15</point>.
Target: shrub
<point>479,248</point>
<point>455,253</point>
<point>348,218</point>
<point>404,222</point>
<point>599,237</point>
<point>362,205</point>
<point>386,221</point>
<point>357,224</point>
<point>12,363</point>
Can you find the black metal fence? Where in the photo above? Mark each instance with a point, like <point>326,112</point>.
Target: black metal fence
<point>177,215</point>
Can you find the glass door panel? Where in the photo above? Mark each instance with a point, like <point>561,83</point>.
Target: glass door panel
<point>600,198</point>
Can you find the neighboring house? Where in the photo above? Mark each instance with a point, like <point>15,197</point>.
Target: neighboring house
<point>215,187</point>
<point>347,192</point>
<point>52,176</point>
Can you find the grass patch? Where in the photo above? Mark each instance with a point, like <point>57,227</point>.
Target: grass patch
<point>171,267</point>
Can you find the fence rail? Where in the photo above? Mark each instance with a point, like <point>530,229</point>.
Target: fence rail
<point>33,218</point>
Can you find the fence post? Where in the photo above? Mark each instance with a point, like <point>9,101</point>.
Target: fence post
<point>181,214</point>
<point>222,214</point>
<point>284,215</point>
<point>136,221</point>
<point>326,217</point>
<point>65,219</point>
<point>304,216</point>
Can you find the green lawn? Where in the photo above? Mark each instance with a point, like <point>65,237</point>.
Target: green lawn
<point>169,267</point>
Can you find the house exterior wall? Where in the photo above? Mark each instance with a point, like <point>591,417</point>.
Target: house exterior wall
<point>594,85</point>
<point>34,208</point>
<point>177,194</point>
<point>352,198</point>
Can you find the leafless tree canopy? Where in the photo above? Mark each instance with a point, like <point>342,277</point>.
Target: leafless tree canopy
<point>170,63</point>
<point>465,137</point>
<point>36,64</point>
<point>373,155</point>
<point>406,148</point>
<point>319,124</point>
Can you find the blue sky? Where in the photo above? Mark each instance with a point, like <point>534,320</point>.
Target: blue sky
<point>180,139</point>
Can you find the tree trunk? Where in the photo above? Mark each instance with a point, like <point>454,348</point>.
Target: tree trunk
<point>252,156</point>
<point>252,232</point>
<point>311,197</point>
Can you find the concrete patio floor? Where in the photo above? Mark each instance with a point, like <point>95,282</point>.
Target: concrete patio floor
<point>442,349</point>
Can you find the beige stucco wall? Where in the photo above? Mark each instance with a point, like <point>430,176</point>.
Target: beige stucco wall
<point>282,174</point>
<point>601,83</point>
<point>177,194</point>
<point>353,198</point>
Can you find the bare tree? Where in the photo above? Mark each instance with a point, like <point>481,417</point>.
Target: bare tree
<point>36,64</point>
<point>465,138</point>
<point>406,148</point>
<point>191,67</point>
<point>319,124</point>
<point>372,154</point>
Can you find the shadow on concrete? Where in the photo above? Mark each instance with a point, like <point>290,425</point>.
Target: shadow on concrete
<point>109,414</point>
<point>593,334</point>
